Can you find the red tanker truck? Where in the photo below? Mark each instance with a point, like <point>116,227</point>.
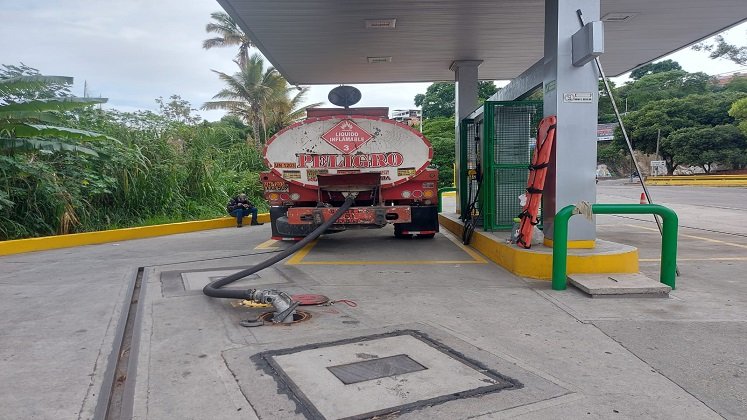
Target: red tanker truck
<point>315,164</point>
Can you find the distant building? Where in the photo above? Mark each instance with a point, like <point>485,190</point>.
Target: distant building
<point>724,79</point>
<point>410,117</point>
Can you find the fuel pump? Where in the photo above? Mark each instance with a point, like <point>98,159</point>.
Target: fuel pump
<point>471,214</point>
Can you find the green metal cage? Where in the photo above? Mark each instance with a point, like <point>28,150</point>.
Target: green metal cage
<point>506,133</point>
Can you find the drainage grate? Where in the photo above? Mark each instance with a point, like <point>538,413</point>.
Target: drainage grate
<point>352,373</point>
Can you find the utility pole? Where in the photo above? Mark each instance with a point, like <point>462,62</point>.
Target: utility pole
<point>658,137</point>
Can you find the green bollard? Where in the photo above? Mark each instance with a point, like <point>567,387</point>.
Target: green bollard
<point>668,239</point>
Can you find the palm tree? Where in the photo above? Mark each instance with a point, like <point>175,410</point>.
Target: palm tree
<point>287,110</point>
<point>230,35</point>
<point>249,94</point>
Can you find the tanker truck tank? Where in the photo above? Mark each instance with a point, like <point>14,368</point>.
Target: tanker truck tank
<point>314,162</point>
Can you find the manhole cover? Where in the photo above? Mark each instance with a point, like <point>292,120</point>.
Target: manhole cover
<point>379,375</point>
<point>299,316</point>
<point>351,373</point>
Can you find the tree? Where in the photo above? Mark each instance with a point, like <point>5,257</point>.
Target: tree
<point>651,68</point>
<point>177,110</point>
<point>229,35</point>
<point>438,100</point>
<point>606,113</point>
<point>34,85</point>
<point>485,90</point>
<point>250,94</point>
<point>34,141</point>
<point>440,132</point>
<point>30,119</point>
<point>664,117</point>
<point>285,109</point>
<point>722,49</point>
<point>664,85</point>
<point>738,111</point>
<point>738,83</point>
<point>706,146</point>
<point>612,155</point>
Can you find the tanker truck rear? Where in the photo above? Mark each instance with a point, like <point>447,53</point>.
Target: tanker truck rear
<point>318,162</point>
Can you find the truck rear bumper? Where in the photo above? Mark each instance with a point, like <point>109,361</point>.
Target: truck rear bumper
<point>377,216</point>
<point>295,223</point>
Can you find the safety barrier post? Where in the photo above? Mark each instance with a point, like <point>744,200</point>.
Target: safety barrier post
<point>441,191</point>
<point>668,240</point>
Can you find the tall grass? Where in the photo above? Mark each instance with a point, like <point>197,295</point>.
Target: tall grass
<point>156,171</point>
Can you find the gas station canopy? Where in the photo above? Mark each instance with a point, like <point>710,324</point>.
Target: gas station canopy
<point>332,41</point>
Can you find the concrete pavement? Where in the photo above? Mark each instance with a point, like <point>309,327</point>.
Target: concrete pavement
<point>564,354</point>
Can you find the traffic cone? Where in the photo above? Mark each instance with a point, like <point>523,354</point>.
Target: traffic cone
<point>643,199</point>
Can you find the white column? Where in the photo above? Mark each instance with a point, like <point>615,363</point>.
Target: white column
<point>466,101</point>
<point>572,171</point>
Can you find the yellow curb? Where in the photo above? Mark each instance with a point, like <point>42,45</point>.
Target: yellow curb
<point>572,244</point>
<point>538,265</point>
<point>18,246</point>
<point>700,180</point>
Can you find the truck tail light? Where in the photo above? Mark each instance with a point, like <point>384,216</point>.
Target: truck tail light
<point>428,194</point>
<point>295,196</point>
<point>406,194</point>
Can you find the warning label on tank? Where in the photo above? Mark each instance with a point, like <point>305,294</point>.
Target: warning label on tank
<point>284,165</point>
<point>275,186</point>
<point>346,136</point>
<point>292,174</point>
<point>311,174</point>
<point>405,171</point>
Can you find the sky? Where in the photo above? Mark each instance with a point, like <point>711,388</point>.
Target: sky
<point>133,51</point>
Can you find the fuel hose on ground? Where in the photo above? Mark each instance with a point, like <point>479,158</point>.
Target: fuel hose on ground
<point>213,289</point>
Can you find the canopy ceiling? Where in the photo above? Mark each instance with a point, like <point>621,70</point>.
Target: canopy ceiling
<point>327,42</point>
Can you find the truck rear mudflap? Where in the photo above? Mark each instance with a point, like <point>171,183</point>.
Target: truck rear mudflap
<point>424,223</point>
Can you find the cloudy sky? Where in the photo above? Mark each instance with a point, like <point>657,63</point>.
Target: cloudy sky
<point>133,51</point>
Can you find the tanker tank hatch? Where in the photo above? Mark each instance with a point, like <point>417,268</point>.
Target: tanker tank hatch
<point>344,96</point>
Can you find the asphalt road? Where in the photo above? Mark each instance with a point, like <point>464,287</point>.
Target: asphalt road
<point>721,211</point>
<point>713,197</point>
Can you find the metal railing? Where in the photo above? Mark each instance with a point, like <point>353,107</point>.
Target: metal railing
<point>668,239</point>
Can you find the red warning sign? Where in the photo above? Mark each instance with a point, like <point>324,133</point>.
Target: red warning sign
<point>346,136</point>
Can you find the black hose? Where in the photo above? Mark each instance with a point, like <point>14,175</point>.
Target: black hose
<point>470,221</point>
<point>213,289</point>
